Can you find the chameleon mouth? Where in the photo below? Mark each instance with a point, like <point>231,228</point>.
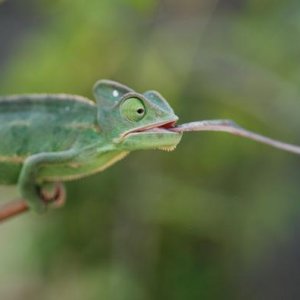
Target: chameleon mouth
<point>165,127</point>
<point>162,127</point>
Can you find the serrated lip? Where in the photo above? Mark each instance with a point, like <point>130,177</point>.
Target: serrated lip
<point>157,127</point>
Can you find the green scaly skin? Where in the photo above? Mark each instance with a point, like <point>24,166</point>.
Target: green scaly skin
<point>49,138</point>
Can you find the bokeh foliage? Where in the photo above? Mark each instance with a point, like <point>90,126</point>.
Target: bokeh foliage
<point>217,218</point>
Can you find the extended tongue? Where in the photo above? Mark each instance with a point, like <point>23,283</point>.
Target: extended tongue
<point>232,128</point>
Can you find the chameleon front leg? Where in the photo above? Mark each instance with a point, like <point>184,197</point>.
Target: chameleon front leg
<point>27,182</point>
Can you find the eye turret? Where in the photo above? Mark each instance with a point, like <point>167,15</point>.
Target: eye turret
<point>133,109</point>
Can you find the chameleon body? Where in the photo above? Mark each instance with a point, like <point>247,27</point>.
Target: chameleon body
<point>49,138</point>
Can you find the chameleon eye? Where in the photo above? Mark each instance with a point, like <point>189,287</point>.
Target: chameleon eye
<point>133,109</point>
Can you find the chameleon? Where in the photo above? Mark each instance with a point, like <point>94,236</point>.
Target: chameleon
<point>52,138</point>
<point>60,137</point>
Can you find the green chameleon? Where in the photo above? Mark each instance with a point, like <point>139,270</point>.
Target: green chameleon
<point>53,138</point>
<point>50,138</point>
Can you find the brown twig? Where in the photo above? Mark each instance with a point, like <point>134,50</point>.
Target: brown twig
<point>18,207</point>
<point>12,209</point>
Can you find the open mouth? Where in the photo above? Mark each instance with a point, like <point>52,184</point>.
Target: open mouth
<point>162,127</point>
<point>158,127</point>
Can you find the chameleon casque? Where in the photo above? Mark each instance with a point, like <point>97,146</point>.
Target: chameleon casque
<point>53,138</point>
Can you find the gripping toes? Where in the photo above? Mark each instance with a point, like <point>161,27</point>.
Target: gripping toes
<point>55,198</point>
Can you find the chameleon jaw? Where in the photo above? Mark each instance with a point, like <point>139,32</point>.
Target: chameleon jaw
<point>167,148</point>
<point>160,127</point>
<point>155,136</point>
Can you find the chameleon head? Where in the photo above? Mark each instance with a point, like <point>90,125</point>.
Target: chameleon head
<point>133,121</point>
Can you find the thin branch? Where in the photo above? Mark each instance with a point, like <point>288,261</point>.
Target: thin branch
<point>12,209</point>
<point>18,207</point>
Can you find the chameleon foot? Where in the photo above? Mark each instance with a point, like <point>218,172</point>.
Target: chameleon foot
<point>55,199</point>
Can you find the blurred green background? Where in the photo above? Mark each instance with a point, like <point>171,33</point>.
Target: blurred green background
<point>216,219</point>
